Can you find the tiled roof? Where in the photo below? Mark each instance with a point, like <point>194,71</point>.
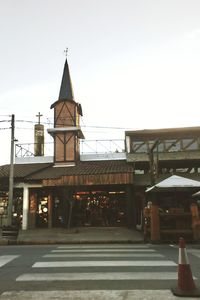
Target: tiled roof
<point>83,168</point>
<point>22,170</point>
<point>48,171</point>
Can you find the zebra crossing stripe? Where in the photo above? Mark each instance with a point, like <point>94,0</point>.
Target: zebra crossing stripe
<point>4,259</point>
<point>86,255</point>
<point>90,295</point>
<point>104,247</point>
<point>104,250</point>
<point>99,263</point>
<point>98,276</point>
<point>195,252</point>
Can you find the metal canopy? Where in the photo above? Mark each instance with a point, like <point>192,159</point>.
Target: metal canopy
<point>174,182</point>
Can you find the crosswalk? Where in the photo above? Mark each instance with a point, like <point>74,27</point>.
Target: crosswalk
<point>97,263</point>
<point>5,259</point>
<point>99,272</point>
<point>195,252</point>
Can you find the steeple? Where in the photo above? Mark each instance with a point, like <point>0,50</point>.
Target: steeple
<point>66,91</point>
<point>67,131</point>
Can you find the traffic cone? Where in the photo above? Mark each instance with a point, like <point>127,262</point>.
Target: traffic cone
<point>186,286</point>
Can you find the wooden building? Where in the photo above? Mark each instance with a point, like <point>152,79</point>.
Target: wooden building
<point>71,192</point>
<point>156,155</point>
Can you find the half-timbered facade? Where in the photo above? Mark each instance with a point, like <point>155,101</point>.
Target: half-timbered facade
<point>163,152</point>
<point>66,131</point>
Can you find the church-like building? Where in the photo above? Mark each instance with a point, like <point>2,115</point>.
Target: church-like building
<point>70,191</point>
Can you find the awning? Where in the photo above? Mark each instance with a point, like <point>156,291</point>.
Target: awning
<point>174,182</point>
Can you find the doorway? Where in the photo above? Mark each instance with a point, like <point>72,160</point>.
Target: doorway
<point>99,208</point>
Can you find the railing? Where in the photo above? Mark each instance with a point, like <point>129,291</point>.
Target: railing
<point>86,147</point>
<point>101,146</point>
<point>167,145</point>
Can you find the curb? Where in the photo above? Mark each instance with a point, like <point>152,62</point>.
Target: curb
<point>5,242</point>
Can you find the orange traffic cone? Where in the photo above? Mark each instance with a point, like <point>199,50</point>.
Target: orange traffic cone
<point>186,286</point>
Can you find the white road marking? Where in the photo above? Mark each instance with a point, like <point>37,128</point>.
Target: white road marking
<point>115,263</point>
<point>98,276</point>
<point>103,246</point>
<point>104,250</point>
<point>86,255</point>
<point>91,295</point>
<point>195,252</point>
<point>4,259</point>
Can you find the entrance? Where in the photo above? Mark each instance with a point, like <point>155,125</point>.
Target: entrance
<point>99,208</point>
<point>42,211</point>
<point>70,208</point>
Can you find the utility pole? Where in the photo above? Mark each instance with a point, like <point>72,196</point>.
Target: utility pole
<point>10,194</point>
<point>151,160</point>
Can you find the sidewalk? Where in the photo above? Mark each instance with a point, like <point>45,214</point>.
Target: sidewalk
<point>76,236</point>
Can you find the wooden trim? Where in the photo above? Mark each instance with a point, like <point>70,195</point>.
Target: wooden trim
<point>97,179</point>
<point>58,115</point>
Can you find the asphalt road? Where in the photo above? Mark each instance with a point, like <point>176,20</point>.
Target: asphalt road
<point>82,268</point>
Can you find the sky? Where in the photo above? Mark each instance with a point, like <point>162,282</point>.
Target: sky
<point>133,64</point>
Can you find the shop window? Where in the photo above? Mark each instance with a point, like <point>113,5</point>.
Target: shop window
<point>98,208</point>
<point>16,210</point>
<point>42,212</point>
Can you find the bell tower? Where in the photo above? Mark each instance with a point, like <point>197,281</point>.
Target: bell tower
<point>67,131</point>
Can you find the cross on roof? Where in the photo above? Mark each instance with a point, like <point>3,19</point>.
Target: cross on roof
<point>39,116</point>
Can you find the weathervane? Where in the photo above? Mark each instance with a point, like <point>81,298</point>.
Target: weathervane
<point>66,51</point>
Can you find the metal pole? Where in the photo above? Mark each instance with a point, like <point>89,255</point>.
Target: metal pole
<point>10,194</point>
<point>151,160</point>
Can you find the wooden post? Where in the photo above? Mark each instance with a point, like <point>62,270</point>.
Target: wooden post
<point>155,223</point>
<point>32,209</point>
<point>195,221</point>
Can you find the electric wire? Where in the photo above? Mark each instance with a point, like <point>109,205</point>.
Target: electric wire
<point>85,126</point>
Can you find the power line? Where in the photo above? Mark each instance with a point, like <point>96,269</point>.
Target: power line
<point>85,126</point>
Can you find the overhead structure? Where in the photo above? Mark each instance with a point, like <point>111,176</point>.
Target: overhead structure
<point>174,182</point>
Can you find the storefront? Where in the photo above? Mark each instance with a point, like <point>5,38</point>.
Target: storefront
<point>100,208</point>
<point>61,207</point>
<point>171,211</point>
<point>17,207</point>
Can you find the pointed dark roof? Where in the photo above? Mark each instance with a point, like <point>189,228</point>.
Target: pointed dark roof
<point>66,91</point>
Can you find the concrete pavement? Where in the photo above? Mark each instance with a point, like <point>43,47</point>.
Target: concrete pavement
<point>91,295</point>
<point>76,235</point>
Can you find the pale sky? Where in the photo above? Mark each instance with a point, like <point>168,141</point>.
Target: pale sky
<point>134,64</point>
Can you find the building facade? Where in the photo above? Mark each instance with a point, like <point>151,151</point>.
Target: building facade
<point>69,191</point>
